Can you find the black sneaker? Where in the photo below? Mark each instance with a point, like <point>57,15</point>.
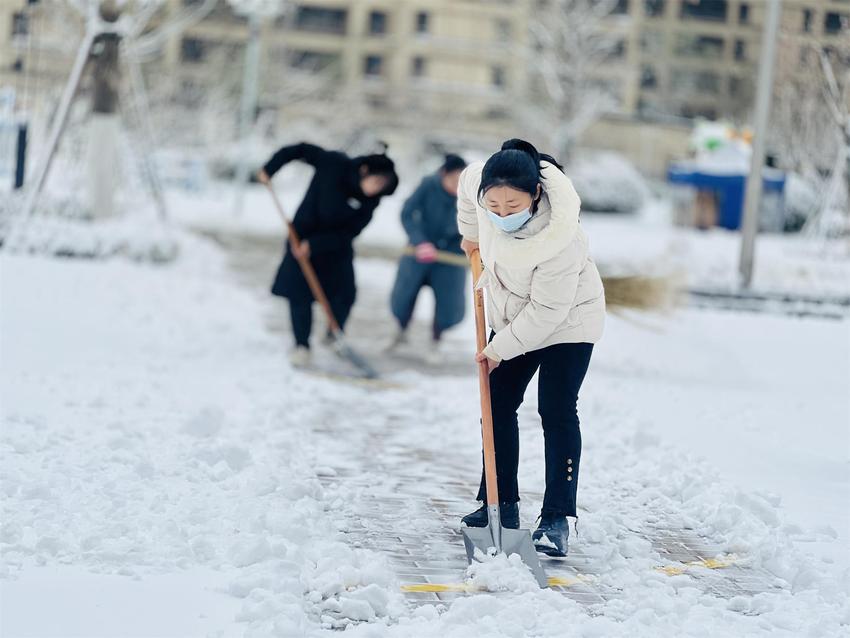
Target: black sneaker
<point>552,535</point>
<point>509,513</point>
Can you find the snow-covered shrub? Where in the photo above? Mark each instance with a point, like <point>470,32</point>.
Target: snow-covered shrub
<point>62,227</point>
<point>801,201</point>
<point>607,182</point>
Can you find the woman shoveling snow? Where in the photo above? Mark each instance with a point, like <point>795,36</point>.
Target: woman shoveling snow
<point>546,309</point>
<point>339,203</point>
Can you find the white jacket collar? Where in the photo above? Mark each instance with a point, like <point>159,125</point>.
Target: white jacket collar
<point>552,228</point>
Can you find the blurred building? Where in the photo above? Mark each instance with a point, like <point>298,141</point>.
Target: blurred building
<point>681,59</point>
<point>444,68</point>
<point>409,63</point>
<point>699,58</point>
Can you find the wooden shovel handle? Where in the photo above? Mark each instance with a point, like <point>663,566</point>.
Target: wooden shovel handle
<point>484,384</point>
<point>306,266</point>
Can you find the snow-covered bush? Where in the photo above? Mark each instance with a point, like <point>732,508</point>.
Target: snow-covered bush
<point>607,182</point>
<point>801,201</point>
<point>62,227</point>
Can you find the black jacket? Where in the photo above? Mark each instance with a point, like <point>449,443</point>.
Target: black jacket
<point>334,211</point>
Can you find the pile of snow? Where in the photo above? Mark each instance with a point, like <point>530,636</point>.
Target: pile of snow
<point>145,391</point>
<point>152,429</point>
<point>608,182</point>
<point>648,245</point>
<point>800,199</point>
<point>62,227</point>
<point>720,149</point>
<point>499,572</point>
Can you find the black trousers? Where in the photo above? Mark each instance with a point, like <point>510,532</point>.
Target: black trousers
<point>562,369</point>
<point>301,313</point>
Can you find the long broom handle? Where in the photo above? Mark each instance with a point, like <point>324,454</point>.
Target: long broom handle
<point>306,266</point>
<point>443,257</point>
<point>484,385</point>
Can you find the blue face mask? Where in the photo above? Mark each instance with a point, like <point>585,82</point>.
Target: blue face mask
<point>511,223</point>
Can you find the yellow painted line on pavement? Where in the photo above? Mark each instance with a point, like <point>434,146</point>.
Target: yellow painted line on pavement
<point>437,588</point>
<point>560,581</point>
<point>708,563</point>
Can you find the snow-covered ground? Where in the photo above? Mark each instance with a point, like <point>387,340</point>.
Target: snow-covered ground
<point>622,244</point>
<point>163,467</point>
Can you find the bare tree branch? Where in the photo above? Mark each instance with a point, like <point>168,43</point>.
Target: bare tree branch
<point>569,43</point>
<point>151,43</point>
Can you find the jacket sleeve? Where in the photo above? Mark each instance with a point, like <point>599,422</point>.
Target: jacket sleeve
<point>412,216</point>
<point>306,152</point>
<point>554,284</point>
<point>467,214</point>
<point>344,235</point>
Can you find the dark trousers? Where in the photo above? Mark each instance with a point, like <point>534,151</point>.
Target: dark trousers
<point>301,313</point>
<point>562,369</point>
<point>448,283</point>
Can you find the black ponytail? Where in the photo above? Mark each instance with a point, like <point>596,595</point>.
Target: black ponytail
<point>527,147</point>
<point>517,165</point>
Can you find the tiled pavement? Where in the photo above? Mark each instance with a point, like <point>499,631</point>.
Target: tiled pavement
<point>424,544</point>
<point>437,555</point>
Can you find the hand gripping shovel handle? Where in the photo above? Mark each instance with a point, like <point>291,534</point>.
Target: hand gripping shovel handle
<point>306,267</point>
<point>486,409</point>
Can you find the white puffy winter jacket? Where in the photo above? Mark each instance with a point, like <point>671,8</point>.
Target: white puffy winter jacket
<point>541,285</point>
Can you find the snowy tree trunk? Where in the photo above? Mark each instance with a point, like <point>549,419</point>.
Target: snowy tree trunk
<point>105,123</point>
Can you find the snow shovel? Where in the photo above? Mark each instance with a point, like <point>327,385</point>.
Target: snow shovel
<point>340,345</point>
<point>508,541</point>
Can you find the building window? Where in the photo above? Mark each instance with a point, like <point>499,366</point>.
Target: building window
<point>373,65</point>
<point>653,8</point>
<point>685,81</point>
<point>834,23</point>
<point>736,85</point>
<point>423,22</point>
<point>321,20</point>
<point>808,14</point>
<point>20,24</point>
<point>713,10</point>
<point>191,94</point>
<point>652,43</point>
<point>648,79</point>
<point>744,13</point>
<point>621,8</point>
<point>377,102</point>
<point>18,65</point>
<point>503,29</point>
<point>417,67</point>
<point>377,23</point>
<point>617,50</point>
<point>740,50</point>
<point>497,76</point>
<point>707,81</point>
<point>692,112</point>
<point>193,50</point>
<point>699,46</point>
<point>312,60</point>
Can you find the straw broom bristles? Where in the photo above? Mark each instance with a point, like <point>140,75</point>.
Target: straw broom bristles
<point>642,292</point>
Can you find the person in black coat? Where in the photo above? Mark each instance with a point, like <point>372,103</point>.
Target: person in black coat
<point>338,205</point>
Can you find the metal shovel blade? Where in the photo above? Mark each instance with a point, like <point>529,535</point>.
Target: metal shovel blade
<point>514,541</point>
<point>347,352</point>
